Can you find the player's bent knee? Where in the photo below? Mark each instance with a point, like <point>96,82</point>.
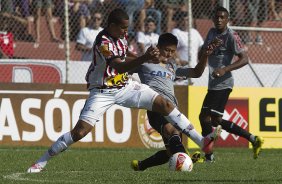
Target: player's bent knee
<point>169,130</point>
<point>204,115</point>
<point>162,106</point>
<point>216,120</point>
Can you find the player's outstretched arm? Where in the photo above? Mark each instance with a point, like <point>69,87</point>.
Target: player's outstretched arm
<point>151,55</point>
<point>200,67</point>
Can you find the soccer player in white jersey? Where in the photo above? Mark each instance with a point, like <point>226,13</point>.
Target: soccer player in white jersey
<point>109,84</point>
<point>220,64</point>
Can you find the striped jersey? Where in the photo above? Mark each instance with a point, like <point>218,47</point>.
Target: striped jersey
<point>100,74</point>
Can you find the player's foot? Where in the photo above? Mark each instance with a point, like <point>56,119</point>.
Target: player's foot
<point>210,140</point>
<point>196,158</point>
<point>257,146</point>
<point>209,158</point>
<point>35,168</point>
<point>135,165</point>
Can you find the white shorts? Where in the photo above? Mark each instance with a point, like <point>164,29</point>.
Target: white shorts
<point>133,95</point>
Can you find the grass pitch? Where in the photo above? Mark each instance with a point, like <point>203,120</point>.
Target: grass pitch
<point>233,165</point>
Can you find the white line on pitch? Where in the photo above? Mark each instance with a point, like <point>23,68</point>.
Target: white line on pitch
<point>18,177</point>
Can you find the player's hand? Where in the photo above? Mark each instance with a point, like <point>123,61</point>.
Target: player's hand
<point>152,54</point>
<point>213,45</point>
<point>218,72</point>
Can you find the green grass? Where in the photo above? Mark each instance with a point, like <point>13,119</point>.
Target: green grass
<point>113,166</point>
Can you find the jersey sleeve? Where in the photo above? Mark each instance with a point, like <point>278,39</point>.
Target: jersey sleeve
<point>107,49</point>
<point>236,44</point>
<point>181,72</point>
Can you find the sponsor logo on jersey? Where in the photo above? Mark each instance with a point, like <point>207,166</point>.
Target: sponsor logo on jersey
<point>117,80</point>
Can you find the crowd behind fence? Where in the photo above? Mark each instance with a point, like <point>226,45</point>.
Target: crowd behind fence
<point>36,29</point>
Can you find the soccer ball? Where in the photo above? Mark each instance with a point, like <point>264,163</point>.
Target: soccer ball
<point>180,162</point>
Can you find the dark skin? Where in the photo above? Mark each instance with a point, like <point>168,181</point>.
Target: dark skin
<point>160,104</point>
<point>220,20</point>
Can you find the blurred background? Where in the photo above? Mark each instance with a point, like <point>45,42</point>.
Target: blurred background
<point>49,41</point>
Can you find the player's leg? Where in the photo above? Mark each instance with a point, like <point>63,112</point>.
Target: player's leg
<point>94,107</point>
<point>212,104</point>
<point>178,120</point>
<point>63,142</point>
<point>141,96</point>
<point>171,138</point>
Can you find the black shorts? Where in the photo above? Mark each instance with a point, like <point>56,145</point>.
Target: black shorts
<point>215,101</point>
<point>157,121</point>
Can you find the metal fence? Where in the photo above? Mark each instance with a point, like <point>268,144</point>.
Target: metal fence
<point>34,31</point>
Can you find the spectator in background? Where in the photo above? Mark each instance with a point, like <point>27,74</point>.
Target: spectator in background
<point>87,36</point>
<point>38,5</point>
<point>276,9</point>
<point>148,37</point>
<point>6,40</point>
<point>132,7</point>
<point>132,44</point>
<point>79,15</point>
<point>181,32</point>
<point>171,8</point>
<point>14,17</point>
<point>256,14</point>
<point>149,11</point>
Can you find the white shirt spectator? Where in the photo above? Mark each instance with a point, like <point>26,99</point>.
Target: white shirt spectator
<point>87,36</point>
<point>147,39</point>
<point>182,47</point>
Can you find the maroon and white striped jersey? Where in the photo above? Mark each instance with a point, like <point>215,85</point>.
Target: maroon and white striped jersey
<point>100,74</point>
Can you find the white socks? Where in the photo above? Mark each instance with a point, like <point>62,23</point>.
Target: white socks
<point>59,146</point>
<point>178,120</point>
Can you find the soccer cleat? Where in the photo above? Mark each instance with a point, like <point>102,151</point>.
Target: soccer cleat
<point>35,168</point>
<point>257,146</point>
<point>209,158</point>
<point>210,140</point>
<point>196,158</point>
<point>135,165</point>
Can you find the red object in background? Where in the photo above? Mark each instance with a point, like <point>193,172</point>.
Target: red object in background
<point>238,112</point>
<point>6,44</point>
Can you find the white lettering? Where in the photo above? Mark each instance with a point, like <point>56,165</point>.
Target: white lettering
<point>37,134</point>
<point>51,105</point>
<point>7,113</point>
<point>110,123</point>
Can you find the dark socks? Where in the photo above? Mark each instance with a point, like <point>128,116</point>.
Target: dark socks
<point>235,129</point>
<point>175,144</point>
<point>206,128</point>
<point>161,157</point>
<point>158,158</point>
